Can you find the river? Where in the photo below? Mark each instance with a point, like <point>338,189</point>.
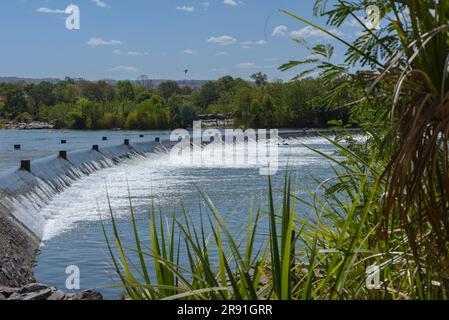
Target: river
<point>72,231</point>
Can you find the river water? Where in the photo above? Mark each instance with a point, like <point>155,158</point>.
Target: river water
<point>72,231</point>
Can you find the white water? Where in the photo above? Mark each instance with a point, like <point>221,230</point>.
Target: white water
<point>153,177</point>
<point>73,234</point>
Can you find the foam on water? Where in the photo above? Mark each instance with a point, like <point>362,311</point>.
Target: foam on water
<point>150,178</point>
<point>88,197</point>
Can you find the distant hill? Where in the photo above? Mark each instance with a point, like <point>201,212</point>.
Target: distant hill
<point>26,80</point>
<point>154,83</point>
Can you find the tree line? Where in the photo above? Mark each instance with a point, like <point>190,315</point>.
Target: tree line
<point>81,104</point>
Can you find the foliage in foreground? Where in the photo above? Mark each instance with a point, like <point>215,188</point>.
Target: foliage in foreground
<point>387,205</point>
<point>322,252</point>
<point>403,64</point>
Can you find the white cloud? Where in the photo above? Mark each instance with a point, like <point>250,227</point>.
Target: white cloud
<point>48,10</point>
<point>230,2</point>
<point>125,69</point>
<point>206,5</point>
<point>310,32</point>
<point>247,65</point>
<point>185,8</point>
<point>222,53</point>
<point>280,31</point>
<point>136,53</point>
<point>129,53</point>
<point>251,44</point>
<point>222,40</point>
<point>100,42</point>
<point>100,3</point>
<point>189,51</point>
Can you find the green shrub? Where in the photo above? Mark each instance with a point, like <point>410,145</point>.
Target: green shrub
<point>111,120</point>
<point>24,117</point>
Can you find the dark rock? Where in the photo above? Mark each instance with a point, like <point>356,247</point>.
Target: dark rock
<point>7,292</point>
<point>38,291</point>
<point>32,287</point>
<point>85,295</point>
<point>57,295</point>
<point>43,294</point>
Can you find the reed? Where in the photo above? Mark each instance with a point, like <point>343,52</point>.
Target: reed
<point>323,255</point>
<point>385,209</point>
<point>405,69</point>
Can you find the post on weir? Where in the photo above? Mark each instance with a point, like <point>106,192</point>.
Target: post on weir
<point>25,165</point>
<point>63,154</point>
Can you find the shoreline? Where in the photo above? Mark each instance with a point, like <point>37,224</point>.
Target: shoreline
<point>39,125</point>
<point>34,125</point>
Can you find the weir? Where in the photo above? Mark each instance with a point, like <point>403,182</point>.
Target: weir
<point>32,185</point>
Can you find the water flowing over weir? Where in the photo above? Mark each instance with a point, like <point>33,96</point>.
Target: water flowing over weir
<point>25,190</point>
<point>22,190</point>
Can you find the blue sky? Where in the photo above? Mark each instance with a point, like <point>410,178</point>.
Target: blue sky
<point>122,39</point>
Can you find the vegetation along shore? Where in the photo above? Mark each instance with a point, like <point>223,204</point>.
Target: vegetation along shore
<point>81,104</point>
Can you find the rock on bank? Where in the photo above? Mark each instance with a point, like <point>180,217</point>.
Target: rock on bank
<point>37,291</point>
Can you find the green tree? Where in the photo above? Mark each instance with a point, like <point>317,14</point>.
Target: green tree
<point>144,95</point>
<point>150,114</point>
<point>40,94</point>
<point>66,92</point>
<point>90,90</point>
<point>182,111</point>
<point>167,89</point>
<point>106,92</point>
<point>90,111</point>
<point>126,90</point>
<point>207,95</point>
<point>15,101</point>
<point>259,78</point>
<point>242,102</point>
